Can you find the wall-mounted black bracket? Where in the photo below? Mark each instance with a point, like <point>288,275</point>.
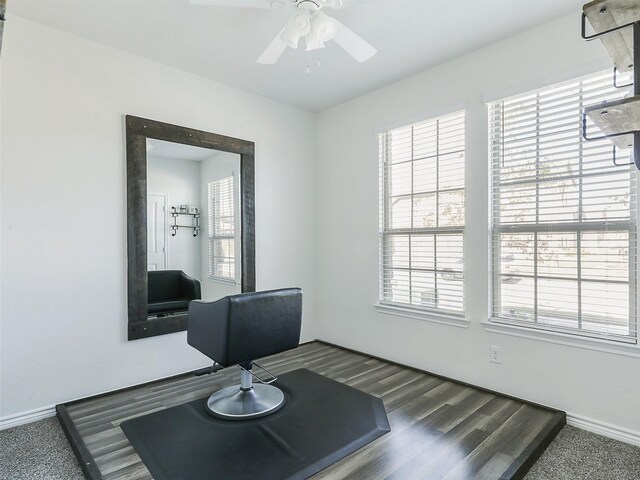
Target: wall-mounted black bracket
<point>614,158</point>
<point>600,34</point>
<point>602,137</point>
<point>615,80</point>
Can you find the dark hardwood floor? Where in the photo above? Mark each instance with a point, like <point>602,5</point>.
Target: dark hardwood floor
<point>440,429</point>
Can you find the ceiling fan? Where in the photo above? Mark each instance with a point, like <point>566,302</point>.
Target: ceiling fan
<point>307,20</point>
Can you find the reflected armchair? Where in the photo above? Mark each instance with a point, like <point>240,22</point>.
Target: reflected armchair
<point>170,291</point>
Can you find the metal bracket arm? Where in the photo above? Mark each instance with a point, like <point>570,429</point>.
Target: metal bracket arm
<point>598,35</point>
<point>257,378</point>
<point>615,80</point>
<point>602,137</point>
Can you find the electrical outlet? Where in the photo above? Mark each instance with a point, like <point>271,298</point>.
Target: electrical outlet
<point>495,355</point>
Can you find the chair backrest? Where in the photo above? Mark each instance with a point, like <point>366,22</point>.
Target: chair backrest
<point>241,328</point>
<point>168,285</point>
<point>163,285</point>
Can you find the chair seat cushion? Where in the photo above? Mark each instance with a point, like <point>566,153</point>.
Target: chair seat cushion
<point>168,306</point>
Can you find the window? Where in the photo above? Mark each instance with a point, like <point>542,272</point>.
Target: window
<point>422,214</point>
<point>563,215</point>
<point>220,194</point>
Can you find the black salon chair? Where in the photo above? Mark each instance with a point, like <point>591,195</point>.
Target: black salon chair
<point>238,329</point>
<point>170,291</point>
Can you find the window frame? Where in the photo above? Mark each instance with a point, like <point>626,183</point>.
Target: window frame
<point>213,237</point>
<point>386,232</point>
<point>577,228</point>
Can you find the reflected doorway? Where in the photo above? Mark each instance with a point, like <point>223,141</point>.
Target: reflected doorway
<point>156,232</point>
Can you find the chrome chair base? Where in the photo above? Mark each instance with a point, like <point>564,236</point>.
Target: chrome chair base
<point>237,403</point>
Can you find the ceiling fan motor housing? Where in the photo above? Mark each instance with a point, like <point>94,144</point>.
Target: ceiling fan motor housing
<point>310,22</point>
<point>321,3</point>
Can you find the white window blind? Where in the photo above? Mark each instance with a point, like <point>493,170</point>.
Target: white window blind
<point>422,214</point>
<point>221,229</point>
<point>563,215</point>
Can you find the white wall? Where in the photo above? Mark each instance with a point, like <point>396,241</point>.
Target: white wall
<point>179,180</point>
<point>598,385</point>
<point>63,276</point>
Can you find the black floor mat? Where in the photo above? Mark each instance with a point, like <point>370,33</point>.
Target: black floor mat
<point>322,422</point>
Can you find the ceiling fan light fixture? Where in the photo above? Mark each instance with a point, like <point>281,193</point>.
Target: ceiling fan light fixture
<point>323,29</point>
<point>325,26</point>
<point>297,26</point>
<point>313,43</point>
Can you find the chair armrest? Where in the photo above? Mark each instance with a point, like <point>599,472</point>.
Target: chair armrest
<point>189,287</point>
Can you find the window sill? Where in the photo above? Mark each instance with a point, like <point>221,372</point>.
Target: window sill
<point>588,343</point>
<point>228,281</point>
<point>424,315</point>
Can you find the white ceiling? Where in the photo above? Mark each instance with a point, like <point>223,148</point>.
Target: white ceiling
<point>223,43</point>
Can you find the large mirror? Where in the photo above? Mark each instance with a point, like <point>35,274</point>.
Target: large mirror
<point>190,222</point>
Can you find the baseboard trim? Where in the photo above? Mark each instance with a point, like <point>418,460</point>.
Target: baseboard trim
<point>606,429</point>
<point>27,417</point>
<point>50,411</point>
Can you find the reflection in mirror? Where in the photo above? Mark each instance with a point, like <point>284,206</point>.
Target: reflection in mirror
<point>193,226</point>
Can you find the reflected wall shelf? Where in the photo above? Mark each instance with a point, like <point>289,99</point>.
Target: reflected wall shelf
<point>195,219</point>
<point>617,24</point>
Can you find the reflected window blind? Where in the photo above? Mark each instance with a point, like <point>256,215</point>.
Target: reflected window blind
<point>563,215</point>
<point>422,214</point>
<point>221,229</point>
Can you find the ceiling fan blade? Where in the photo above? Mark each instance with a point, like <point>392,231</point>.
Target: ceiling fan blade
<point>242,3</point>
<point>273,52</point>
<point>352,43</point>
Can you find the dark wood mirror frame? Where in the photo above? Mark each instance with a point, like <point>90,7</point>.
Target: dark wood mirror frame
<point>138,130</point>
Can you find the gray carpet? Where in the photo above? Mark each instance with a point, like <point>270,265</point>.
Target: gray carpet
<point>576,454</point>
<point>39,451</point>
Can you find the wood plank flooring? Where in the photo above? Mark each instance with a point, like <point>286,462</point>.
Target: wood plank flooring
<point>440,429</point>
